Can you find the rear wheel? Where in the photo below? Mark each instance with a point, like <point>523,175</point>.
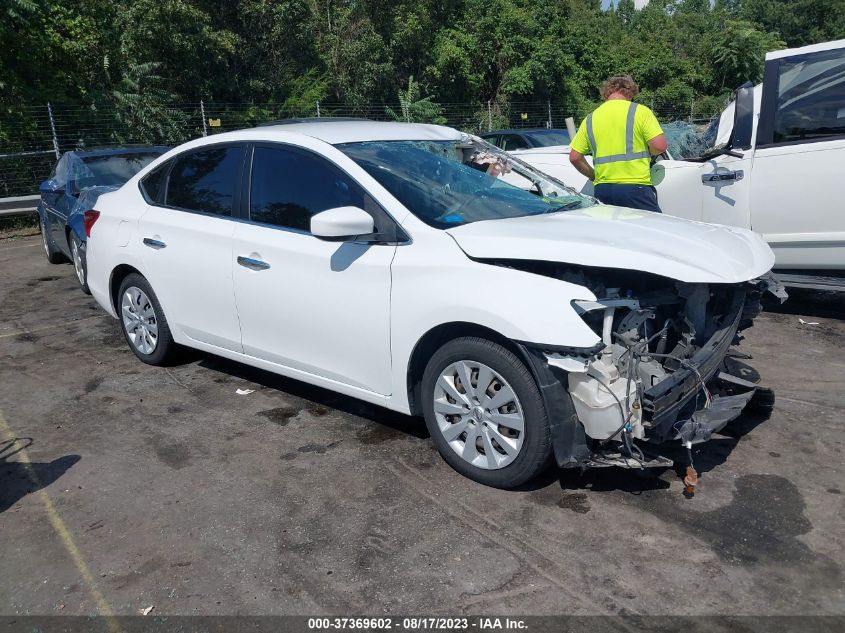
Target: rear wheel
<point>54,255</point>
<point>78,252</point>
<point>485,414</point>
<point>143,322</point>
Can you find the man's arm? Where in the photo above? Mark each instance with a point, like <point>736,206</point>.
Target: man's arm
<point>658,145</point>
<point>580,163</point>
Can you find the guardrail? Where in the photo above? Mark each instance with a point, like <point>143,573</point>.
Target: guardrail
<point>20,205</point>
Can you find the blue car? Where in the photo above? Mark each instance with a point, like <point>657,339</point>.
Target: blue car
<point>78,179</point>
<point>526,138</point>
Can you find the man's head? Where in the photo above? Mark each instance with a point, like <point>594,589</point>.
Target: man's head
<point>620,85</point>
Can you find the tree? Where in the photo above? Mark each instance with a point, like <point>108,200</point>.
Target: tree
<point>415,109</point>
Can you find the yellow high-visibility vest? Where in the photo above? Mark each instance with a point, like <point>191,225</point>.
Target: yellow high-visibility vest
<point>617,134</point>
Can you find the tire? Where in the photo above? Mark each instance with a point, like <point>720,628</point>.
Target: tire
<point>80,263</point>
<point>160,350</point>
<point>54,255</point>
<point>529,450</point>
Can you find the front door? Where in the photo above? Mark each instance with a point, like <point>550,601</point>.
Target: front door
<point>322,308</point>
<point>798,185</point>
<point>187,245</point>
<point>716,190</point>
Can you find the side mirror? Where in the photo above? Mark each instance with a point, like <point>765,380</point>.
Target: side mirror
<point>743,117</point>
<point>342,223</point>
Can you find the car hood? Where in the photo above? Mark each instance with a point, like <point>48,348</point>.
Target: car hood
<point>616,237</point>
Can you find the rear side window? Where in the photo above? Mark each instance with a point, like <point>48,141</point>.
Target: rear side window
<point>152,185</point>
<point>811,98</point>
<point>289,186</point>
<point>205,180</point>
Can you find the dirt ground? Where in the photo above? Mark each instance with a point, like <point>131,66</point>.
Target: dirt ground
<point>162,487</point>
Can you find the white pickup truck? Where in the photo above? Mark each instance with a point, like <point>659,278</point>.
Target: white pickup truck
<point>778,166</point>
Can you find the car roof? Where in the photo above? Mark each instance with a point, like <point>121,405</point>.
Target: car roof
<point>123,149</point>
<point>524,130</point>
<point>335,131</point>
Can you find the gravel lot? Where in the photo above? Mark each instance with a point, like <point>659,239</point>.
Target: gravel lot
<point>162,487</point>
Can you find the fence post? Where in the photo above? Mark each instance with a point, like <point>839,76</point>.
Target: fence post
<point>489,117</point>
<point>549,122</point>
<point>691,108</point>
<point>202,114</point>
<point>318,108</point>
<point>53,130</point>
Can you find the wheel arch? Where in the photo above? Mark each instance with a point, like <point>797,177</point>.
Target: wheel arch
<point>435,338</point>
<point>120,273</point>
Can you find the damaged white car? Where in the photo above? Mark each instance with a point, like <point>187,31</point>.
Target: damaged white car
<point>418,268</point>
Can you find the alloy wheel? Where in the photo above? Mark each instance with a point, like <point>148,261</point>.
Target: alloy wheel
<point>139,320</point>
<point>44,238</point>
<point>479,414</point>
<point>77,260</point>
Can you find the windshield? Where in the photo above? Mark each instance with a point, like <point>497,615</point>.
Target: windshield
<point>113,170</point>
<point>548,138</point>
<point>450,183</point>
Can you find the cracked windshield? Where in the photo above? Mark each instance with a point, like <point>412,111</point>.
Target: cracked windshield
<point>450,183</point>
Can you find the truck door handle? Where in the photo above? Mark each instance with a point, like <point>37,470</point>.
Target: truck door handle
<point>156,244</point>
<point>252,264</point>
<point>723,176</point>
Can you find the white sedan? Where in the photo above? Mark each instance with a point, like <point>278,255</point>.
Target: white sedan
<point>419,268</point>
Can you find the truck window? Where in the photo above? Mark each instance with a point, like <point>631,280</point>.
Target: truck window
<point>811,97</point>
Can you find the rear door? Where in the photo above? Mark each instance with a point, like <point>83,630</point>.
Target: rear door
<point>186,234</point>
<point>797,186</point>
<point>319,307</point>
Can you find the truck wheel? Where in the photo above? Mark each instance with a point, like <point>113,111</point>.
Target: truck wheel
<point>485,414</point>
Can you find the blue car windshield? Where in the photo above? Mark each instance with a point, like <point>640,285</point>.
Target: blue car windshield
<point>450,183</point>
<point>112,170</point>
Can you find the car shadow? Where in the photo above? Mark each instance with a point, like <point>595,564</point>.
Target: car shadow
<point>318,396</point>
<point>706,456</point>
<point>19,478</point>
<point>812,303</point>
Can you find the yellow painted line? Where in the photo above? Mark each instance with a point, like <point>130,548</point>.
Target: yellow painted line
<point>51,327</point>
<point>61,530</point>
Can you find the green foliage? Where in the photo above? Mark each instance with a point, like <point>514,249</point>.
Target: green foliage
<point>283,56</point>
<point>739,50</point>
<point>415,109</point>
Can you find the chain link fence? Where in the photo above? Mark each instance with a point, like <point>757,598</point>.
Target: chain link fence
<point>34,136</point>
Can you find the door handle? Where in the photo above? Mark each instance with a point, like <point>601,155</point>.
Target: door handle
<point>252,264</point>
<point>156,244</point>
<point>723,176</point>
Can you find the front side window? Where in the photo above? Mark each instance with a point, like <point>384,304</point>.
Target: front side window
<point>205,180</point>
<point>449,183</point>
<point>288,186</point>
<point>811,98</point>
<point>511,142</point>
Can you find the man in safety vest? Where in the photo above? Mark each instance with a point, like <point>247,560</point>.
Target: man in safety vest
<point>622,136</point>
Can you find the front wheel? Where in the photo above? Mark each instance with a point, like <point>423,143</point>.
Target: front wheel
<point>80,263</point>
<point>485,413</point>
<point>143,322</point>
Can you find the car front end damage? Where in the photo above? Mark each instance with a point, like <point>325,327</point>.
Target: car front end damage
<point>667,367</point>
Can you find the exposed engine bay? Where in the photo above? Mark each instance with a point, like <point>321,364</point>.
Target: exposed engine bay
<point>666,367</point>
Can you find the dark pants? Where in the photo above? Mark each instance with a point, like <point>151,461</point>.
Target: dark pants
<point>634,196</point>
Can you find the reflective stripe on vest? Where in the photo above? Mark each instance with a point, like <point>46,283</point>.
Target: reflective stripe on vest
<point>629,154</point>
